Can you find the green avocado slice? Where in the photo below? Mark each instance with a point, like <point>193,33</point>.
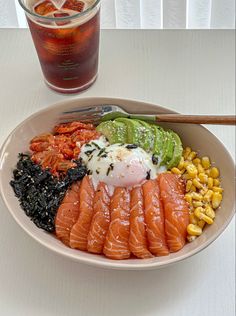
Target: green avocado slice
<point>146,136</point>
<point>114,132</point>
<point>158,133</point>
<point>133,130</point>
<point>178,150</point>
<point>168,148</point>
<point>121,132</point>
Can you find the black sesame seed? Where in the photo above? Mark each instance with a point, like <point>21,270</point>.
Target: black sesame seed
<point>148,176</point>
<point>155,159</point>
<point>131,146</point>
<point>104,155</point>
<point>89,172</point>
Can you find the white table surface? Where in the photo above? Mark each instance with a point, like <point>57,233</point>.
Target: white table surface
<point>188,71</point>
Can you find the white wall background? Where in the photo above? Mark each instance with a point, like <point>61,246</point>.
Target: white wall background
<point>152,14</point>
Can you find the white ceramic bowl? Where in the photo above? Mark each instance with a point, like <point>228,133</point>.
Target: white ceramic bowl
<point>199,138</point>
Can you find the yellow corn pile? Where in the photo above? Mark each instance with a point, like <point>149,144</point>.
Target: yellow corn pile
<point>203,191</point>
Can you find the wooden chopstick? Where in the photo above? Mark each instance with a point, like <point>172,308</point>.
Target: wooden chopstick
<point>197,119</point>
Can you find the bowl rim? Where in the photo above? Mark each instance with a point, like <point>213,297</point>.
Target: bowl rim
<point>110,264</point>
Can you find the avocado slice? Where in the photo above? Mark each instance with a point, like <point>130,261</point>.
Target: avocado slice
<point>158,133</point>
<point>107,129</point>
<point>168,148</point>
<point>146,137</point>
<point>178,150</point>
<point>121,132</point>
<point>133,130</point>
<point>114,132</point>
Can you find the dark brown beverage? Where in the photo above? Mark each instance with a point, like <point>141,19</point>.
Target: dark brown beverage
<point>67,42</point>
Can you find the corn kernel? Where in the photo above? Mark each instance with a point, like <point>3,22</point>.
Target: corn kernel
<point>192,155</point>
<point>188,198</point>
<point>200,168</point>
<point>186,176</point>
<point>191,238</point>
<point>208,220</point>
<point>203,177</point>
<point>199,212</point>
<point>175,170</point>
<point>207,172</point>
<point>193,189</point>
<point>214,172</point>
<point>197,184</point>
<point>197,196</point>
<point>193,219</point>
<point>186,164</point>
<point>216,199</point>
<point>216,182</point>
<point>203,191</point>
<point>201,223</point>
<point>207,197</point>
<point>196,161</point>
<point>188,185</point>
<point>217,189</point>
<point>210,212</point>
<point>181,163</point>
<point>206,162</point>
<point>210,183</point>
<point>187,151</point>
<point>194,230</point>
<point>197,203</point>
<point>192,170</point>
<point>182,171</point>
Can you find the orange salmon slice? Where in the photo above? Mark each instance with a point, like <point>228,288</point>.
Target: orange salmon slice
<point>117,239</point>
<point>67,214</point>
<point>154,218</point>
<point>80,230</point>
<point>138,236</point>
<point>101,219</point>
<point>176,210</point>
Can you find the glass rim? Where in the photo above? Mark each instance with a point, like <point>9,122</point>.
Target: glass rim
<point>46,18</point>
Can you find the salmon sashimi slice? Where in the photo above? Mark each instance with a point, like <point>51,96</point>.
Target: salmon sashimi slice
<point>117,239</point>
<point>101,219</point>
<point>67,214</point>
<point>154,218</point>
<point>176,210</point>
<point>80,230</point>
<point>138,236</point>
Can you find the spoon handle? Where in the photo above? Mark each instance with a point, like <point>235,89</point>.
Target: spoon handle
<point>197,119</point>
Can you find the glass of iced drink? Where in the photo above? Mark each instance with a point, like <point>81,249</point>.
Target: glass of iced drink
<point>66,38</point>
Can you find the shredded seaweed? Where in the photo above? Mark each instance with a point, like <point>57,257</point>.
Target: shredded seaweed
<point>110,168</point>
<point>39,192</point>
